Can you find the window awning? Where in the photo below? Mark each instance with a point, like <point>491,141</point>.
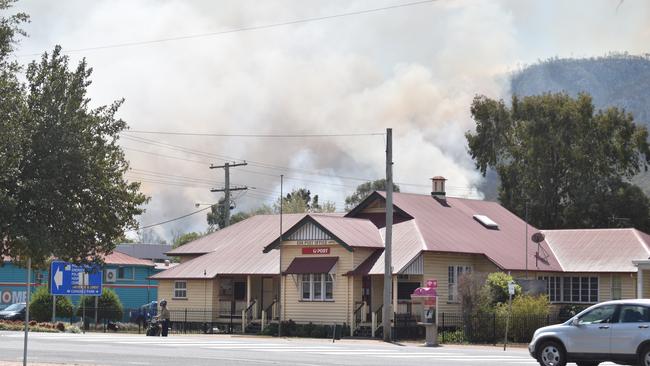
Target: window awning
<point>302,265</point>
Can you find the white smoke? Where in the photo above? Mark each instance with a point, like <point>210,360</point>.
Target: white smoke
<point>415,69</point>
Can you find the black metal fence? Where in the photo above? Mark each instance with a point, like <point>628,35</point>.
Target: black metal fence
<point>490,328</point>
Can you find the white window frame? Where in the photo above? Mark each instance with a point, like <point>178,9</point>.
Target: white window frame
<point>180,292</point>
<point>618,278</point>
<point>454,273</point>
<point>565,286</point>
<point>314,279</point>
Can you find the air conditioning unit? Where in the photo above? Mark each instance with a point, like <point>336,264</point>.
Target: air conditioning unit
<point>110,275</point>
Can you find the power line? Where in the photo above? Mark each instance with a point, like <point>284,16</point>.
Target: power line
<point>307,135</point>
<point>240,29</point>
<point>174,219</point>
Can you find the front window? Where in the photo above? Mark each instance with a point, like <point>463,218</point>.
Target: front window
<point>125,273</point>
<point>602,314</point>
<point>454,274</point>
<point>180,289</point>
<point>573,289</point>
<point>317,287</point>
<point>617,287</point>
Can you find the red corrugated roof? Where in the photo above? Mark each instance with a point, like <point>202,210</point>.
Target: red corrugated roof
<point>356,233</point>
<point>121,259</point>
<point>252,230</point>
<point>302,265</point>
<point>237,249</point>
<point>450,227</point>
<point>598,250</point>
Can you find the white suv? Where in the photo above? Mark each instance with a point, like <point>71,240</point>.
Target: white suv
<point>617,331</point>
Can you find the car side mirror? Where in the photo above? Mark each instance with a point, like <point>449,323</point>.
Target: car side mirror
<point>575,322</point>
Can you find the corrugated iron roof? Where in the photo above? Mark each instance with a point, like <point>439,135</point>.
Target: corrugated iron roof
<point>237,249</point>
<point>598,250</point>
<point>145,251</point>
<point>449,226</point>
<point>259,228</point>
<point>122,259</point>
<point>302,265</point>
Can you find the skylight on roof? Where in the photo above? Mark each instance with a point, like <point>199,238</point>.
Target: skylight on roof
<point>486,221</point>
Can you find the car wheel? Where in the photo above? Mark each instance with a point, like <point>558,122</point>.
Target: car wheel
<point>644,356</point>
<point>551,354</point>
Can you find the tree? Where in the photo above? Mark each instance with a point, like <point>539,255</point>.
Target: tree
<point>364,190</point>
<point>108,304</point>
<point>217,219</point>
<point>565,164</point>
<point>183,239</point>
<point>40,306</point>
<point>301,201</point>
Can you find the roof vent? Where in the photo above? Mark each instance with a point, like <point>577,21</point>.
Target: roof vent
<point>486,221</point>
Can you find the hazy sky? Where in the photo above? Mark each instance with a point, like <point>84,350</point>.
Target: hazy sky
<point>415,69</point>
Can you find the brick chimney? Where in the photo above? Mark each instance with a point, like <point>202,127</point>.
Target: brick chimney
<point>438,188</point>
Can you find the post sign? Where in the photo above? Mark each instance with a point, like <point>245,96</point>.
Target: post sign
<point>316,250</point>
<point>511,288</point>
<point>70,279</point>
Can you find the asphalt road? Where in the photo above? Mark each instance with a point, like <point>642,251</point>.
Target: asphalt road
<point>121,349</point>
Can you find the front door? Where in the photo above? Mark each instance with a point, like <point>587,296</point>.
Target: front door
<point>632,328</point>
<point>366,295</point>
<point>592,334</point>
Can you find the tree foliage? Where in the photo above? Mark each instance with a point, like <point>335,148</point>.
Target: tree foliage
<point>567,163</point>
<point>217,215</point>
<point>301,201</point>
<point>183,239</point>
<point>64,192</point>
<point>364,190</point>
<point>40,305</point>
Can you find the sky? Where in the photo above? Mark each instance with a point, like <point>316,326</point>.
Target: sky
<point>413,68</point>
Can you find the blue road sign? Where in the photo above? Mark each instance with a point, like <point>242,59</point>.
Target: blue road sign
<point>70,279</point>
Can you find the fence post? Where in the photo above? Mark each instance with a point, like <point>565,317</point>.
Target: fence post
<point>442,328</point>
<point>494,328</point>
<point>185,322</point>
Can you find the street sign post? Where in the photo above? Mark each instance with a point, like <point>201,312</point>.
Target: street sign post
<point>71,279</point>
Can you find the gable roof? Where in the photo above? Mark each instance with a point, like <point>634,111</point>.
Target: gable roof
<point>450,226</point>
<point>349,232</point>
<point>598,250</point>
<point>237,249</point>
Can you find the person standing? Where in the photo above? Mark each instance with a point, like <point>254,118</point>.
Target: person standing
<point>164,316</point>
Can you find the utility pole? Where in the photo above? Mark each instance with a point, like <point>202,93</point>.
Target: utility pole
<point>227,188</point>
<point>281,278</point>
<point>388,265</point>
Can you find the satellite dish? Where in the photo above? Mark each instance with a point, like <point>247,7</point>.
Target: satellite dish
<point>537,237</point>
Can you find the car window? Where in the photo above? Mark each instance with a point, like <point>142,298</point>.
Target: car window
<point>15,307</point>
<point>602,314</point>
<point>634,314</point>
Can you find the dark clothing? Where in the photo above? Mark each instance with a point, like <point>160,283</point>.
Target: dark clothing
<point>165,327</point>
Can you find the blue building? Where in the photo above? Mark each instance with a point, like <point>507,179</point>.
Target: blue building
<point>126,275</point>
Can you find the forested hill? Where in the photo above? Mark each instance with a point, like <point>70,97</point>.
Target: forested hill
<point>617,80</point>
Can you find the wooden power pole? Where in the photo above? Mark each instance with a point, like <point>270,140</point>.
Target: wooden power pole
<point>227,188</point>
<point>388,265</point>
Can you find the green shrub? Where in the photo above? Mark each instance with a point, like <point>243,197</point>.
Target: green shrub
<point>452,336</point>
<point>528,314</point>
<point>109,306</point>
<point>40,305</point>
<point>497,285</point>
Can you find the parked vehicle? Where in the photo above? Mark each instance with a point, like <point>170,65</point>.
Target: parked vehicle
<point>617,331</point>
<point>144,313</point>
<point>14,312</point>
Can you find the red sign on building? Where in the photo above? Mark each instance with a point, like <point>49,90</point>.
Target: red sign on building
<point>316,250</point>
